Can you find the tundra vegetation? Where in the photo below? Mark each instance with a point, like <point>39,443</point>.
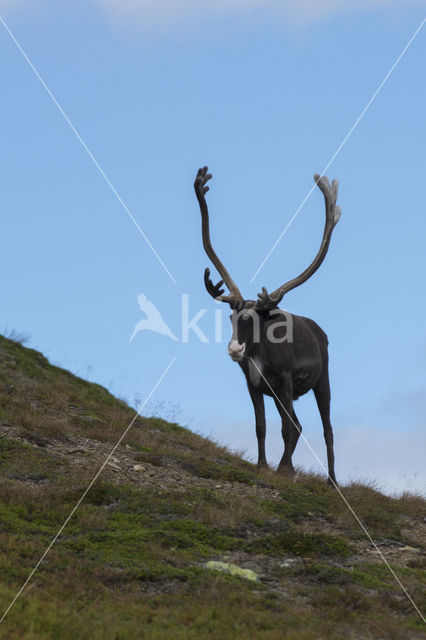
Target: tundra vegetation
<point>131,562</point>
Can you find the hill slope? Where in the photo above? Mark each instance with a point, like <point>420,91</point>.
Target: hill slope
<point>131,561</point>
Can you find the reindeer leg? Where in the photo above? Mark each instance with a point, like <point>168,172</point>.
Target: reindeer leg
<point>296,432</point>
<point>290,434</point>
<point>259,412</point>
<point>322,396</point>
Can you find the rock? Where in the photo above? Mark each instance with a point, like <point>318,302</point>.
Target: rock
<point>138,467</point>
<point>252,566</point>
<point>387,542</point>
<point>113,465</point>
<point>36,440</point>
<point>233,569</point>
<point>288,562</point>
<point>77,450</point>
<point>8,388</point>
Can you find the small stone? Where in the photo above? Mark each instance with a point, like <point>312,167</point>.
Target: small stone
<point>233,569</point>
<point>113,466</point>
<point>252,566</point>
<point>288,562</point>
<point>138,467</point>
<point>77,450</point>
<point>8,388</point>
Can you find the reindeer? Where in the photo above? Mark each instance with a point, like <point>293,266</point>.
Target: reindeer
<point>282,355</point>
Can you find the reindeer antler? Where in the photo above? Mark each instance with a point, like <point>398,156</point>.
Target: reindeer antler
<point>200,190</point>
<point>213,289</point>
<point>332,214</point>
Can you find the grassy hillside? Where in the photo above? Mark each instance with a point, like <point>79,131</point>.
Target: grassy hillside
<point>131,562</point>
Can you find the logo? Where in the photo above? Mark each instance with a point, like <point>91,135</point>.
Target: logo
<point>281,330</point>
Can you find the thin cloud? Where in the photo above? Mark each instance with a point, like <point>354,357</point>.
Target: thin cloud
<point>6,6</point>
<point>146,14</point>
<point>187,12</point>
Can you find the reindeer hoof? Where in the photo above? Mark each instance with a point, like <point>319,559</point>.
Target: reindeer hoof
<point>286,470</point>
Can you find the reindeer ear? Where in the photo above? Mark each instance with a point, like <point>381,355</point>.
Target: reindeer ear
<point>237,305</point>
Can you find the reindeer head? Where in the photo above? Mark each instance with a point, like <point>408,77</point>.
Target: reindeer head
<point>252,319</point>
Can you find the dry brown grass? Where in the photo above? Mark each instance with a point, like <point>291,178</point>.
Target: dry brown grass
<point>132,557</point>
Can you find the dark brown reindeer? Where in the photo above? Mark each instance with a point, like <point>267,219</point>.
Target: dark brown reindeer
<point>282,355</point>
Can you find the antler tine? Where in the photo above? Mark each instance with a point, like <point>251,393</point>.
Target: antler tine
<point>213,289</point>
<point>216,292</point>
<point>332,210</point>
<point>200,190</point>
<point>332,215</point>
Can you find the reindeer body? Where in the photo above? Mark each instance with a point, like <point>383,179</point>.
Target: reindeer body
<point>277,362</point>
<point>303,359</point>
<point>285,371</point>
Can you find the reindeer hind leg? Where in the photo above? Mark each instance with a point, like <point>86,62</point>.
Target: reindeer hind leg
<point>322,396</point>
<point>296,431</point>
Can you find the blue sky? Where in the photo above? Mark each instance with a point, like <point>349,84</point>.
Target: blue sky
<point>263,93</point>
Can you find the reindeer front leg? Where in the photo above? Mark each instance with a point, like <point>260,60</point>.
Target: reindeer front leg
<point>259,412</point>
<point>289,430</point>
